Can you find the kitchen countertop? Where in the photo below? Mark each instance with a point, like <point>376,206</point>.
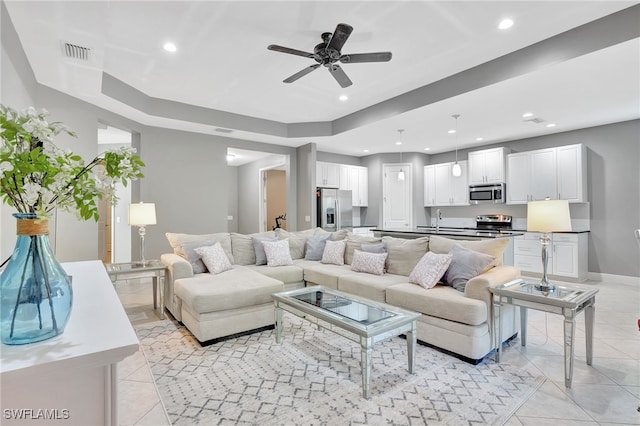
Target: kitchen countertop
<point>458,232</point>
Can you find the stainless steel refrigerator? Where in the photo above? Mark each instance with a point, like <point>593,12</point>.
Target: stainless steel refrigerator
<point>334,209</point>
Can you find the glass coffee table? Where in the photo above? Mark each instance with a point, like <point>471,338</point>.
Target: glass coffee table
<point>565,300</point>
<point>365,321</point>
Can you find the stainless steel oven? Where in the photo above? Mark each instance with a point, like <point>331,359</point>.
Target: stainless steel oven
<point>493,193</point>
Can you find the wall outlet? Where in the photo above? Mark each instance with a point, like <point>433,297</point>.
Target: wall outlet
<point>307,218</point>
<point>229,217</point>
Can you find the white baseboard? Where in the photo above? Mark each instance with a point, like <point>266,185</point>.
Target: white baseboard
<point>623,279</point>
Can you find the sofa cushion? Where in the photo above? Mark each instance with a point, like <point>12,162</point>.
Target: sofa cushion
<point>315,247</point>
<point>493,247</point>
<point>440,301</point>
<point>177,240</point>
<point>261,256</point>
<point>322,274</point>
<point>369,286</point>
<point>465,264</point>
<point>404,254</point>
<point>237,288</point>
<point>297,241</point>
<point>287,274</point>
<point>373,247</point>
<point>277,253</point>
<point>214,258</point>
<point>371,263</point>
<point>430,269</point>
<point>194,258</point>
<point>334,252</point>
<point>242,247</point>
<point>355,242</point>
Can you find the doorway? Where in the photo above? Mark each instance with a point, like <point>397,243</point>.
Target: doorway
<point>397,196</point>
<point>275,200</point>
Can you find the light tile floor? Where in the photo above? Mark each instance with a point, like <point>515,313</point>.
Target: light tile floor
<point>605,393</point>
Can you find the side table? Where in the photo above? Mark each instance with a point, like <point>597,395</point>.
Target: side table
<point>151,269</point>
<point>565,300</point>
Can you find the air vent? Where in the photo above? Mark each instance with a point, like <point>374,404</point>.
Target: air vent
<point>221,130</point>
<point>75,51</point>
<point>534,120</point>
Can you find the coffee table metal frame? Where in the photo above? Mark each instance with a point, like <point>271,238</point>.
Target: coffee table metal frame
<point>566,300</point>
<point>151,269</point>
<point>401,322</point>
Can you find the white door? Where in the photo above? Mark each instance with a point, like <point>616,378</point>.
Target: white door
<point>397,197</point>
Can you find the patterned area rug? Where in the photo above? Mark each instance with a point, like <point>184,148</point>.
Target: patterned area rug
<point>314,378</point>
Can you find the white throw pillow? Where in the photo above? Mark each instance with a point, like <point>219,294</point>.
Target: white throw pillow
<point>334,252</point>
<point>371,263</point>
<point>277,252</point>
<point>214,258</point>
<point>430,269</point>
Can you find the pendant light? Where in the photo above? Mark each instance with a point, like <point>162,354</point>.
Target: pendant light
<point>456,169</point>
<point>401,176</point>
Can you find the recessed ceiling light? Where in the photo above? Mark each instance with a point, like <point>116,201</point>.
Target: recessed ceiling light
<point>451,132</point>
<point>343,98</point>
<point>427,149</point>
<point>398,143</point>
<point>365,150</point>
<point>551,125</point>
<point>479,139</point>
<point>169,47</point>
<point>505,24</point>
<point>527,115</point>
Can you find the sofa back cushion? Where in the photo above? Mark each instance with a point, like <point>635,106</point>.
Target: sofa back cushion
<point>178,240</point>
<point>242,247</point>
<point>355,242</point>
<point>493,247</point>
<point>404,254</point>
<point>297,241</point>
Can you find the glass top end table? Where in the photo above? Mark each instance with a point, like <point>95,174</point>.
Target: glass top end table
<point>154,269</point>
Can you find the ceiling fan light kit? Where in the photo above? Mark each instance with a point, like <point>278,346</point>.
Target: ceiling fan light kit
<point>328,53</point>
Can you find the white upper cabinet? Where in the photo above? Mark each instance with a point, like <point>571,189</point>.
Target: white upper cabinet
<point>487,166</point>
<point>572,173</point>
<point>327,175</point>
<point>441,188</point>
<point>429,186</point>
<point>356,180</point>
<point>556,173</point>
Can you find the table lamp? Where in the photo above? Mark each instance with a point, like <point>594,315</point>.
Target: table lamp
<point>140,215</point>
<point>547,216</point>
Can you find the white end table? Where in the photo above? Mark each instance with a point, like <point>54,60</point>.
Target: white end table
<point>565,300</point>
<point>154,269</point>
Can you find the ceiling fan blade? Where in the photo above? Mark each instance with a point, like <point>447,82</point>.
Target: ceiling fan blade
<point>340,76</point>
<point>355,58</point>
<point>283,49</point>
<point>339,37</point>
<point>301,73</point>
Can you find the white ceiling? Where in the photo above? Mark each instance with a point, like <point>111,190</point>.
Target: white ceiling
<point>222,63</point>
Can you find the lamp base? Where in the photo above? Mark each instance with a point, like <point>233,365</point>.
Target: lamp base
<point>545,287</point>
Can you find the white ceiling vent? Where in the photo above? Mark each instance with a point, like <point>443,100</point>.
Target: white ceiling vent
<point>75,51</point>
<point>534,120</point>
<point>221,130</point>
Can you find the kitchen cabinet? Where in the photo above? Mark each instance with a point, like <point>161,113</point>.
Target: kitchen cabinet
<point>356,180</point>
<point>327,175</point>
<point>487,166</point>
<point>366,232</point>
<point>531,176</point>
<point>557,173</point>
<point>568,254</point>
<point>444,189</point>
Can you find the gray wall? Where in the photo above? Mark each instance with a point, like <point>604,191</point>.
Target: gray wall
<point>329,157</point>
<point>232,198</point>
<point>306,191</point>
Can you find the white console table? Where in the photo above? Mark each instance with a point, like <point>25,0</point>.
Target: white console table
<point>71,378</point>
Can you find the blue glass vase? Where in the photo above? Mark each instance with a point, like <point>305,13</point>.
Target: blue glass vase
<point>35,292</point>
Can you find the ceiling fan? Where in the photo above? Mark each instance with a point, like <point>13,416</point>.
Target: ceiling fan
<point>329,52</point>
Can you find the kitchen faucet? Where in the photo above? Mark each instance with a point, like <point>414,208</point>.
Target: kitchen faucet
<point>438,219</point>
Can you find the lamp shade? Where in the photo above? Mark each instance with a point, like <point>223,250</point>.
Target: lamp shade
<point>142,214</point>
<point>548,216</point>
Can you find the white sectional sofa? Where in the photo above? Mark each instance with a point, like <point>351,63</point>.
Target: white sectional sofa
<point>214,306</point>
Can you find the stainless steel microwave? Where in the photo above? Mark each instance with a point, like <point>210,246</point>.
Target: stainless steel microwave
<point>492,193</point>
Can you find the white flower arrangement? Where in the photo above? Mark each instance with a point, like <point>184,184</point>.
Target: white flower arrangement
<point>36,176</point>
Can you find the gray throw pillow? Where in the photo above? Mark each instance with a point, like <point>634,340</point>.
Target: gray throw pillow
<point>374,247</point>
<point>261,256</point>
<point>315,247</point>
<point>465,264</point>
<point>189,250</point>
